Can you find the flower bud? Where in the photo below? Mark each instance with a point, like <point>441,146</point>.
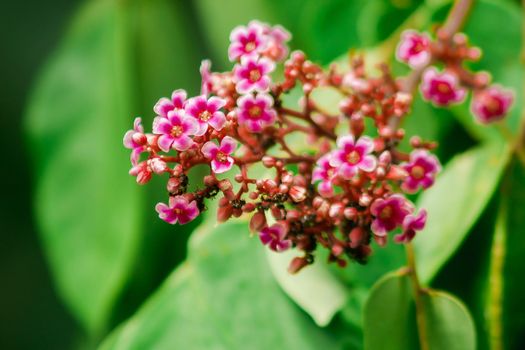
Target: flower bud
<point>357,236</point>
<point>158,165</point>
<point>297,264</point>
<point>297,193</point>
<point>225,185</point>
<point>258,221</point>
<point>268,161</point>
<point>224,213</point>
<point>365,200</point>
<point>173,184</point>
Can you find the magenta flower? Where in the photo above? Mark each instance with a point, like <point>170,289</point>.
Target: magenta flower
<point>274,237</point>
<point>246,41</point>
<point>206,112</point>
<point>352,156</point>
<point>136,140</point>
<point>252,74</point>
<point>414,49</point>
<point>422,170</point>
<point>179,210</point>
<point>411,224</point>
<point>206,77</point>
<point>175,130</point>
<point>389,213</point>
<point>221,161</point>
<point>491,104</point>
<point>256,112</point>
<point>442,89</point>
<point>165,105</point>
<point>325,173</point>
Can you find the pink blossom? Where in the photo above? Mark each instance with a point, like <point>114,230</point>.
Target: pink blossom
<point>145,169</point>
<point>277,37</point>
<point>491,104</point>
<point>352,156</point>
<point>206,77</point>
<point>414,49</point>
<point>175,130</point>
<point>206,112</point>
<point>422,170</point>
<point>274,237</point>
<point>252,74</point>
<point>411,224</point>
<point>165,105</point>
<point>256,112</point>
<point>389,213</point>
<point>221,161</point>
<point>179,210</point>
<point>246,41</point>
<point>136,140</point>
<point>442,89</point>
<point>325,173</point>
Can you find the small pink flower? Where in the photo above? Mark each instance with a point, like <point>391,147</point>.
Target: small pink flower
<point>136,140</point>
<point>442,89</point>
<point>411,224</point>
<point>175,130</point>
<point>179,210</point>
<point>414,49</point>
<point>252,74</point>
<point>256,112</point>
<point>491,104</point>
<point>246,41</point>
<point>165,105</point>
<point>274,237</point>
<point>221,161</point>
<point>206,77</point>
<point>389,213</point>
<point>206,112</point>
<point>277,37</point>
<point>145,169</point>
<point>422,170</point>
<point>352,156</point>
<point>325,173</point>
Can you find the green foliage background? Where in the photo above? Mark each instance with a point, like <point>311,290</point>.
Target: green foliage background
<point>104,272</point>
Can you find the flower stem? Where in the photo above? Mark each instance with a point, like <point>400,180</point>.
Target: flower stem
<point>418,292</point>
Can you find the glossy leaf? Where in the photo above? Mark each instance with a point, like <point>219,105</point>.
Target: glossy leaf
<point>77,114</point>
<point>223,297</point>
<point>389,318</point>
<point>455,202</point>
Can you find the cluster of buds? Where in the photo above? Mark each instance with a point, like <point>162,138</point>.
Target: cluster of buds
<point>490,103</point>
<point>343,191</point>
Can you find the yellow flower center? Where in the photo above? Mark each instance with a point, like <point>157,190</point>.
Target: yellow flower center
<point>443,88</point>
<point>386,213</point>
<point>353,157</point>
<point>221,157</point>
<point>176,131</point>
<point>493,105</point>
<point>417,172</point>
<point>205,116</point>
<point>255,75</point>
<point>249,46</point>
<point>255,111</point>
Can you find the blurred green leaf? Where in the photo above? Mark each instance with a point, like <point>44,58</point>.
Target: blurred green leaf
<point>76,119</point>
<point>223,297</point>
<point>455,202</point>
<point>389,318</point>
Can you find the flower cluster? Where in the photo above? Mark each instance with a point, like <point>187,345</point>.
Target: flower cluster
<point>335,186</point>
<point>490,103</point>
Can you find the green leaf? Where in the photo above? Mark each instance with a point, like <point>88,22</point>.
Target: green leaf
<point>455,202</point>
<point>223,297</point>
<point>76,118</point>
<point>389,318</point>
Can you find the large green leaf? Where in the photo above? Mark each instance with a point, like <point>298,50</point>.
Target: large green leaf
<point>389,318</point>
<point>223,297</point>
<point>455,202</point>
<point>86,211</point>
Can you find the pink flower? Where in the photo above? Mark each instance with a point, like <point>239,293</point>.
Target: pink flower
<point>145,169</point>
<point>179,210</point>
<point>221,161</point>
<point>136,140</point>
<point>422,170</point>
<point>389,213</point>
<point>206,77</point>
<point>175,130</point>
<point>206,112</point>
<point>246,41</point>
<point>274,237</point>
<point>352,156</point>
<point>256,112</point>
<point>165,105</point>
<point>442,89</point>
<point>277,37</point>
<point>252,74</point>
<point>411,224</point>
<point>325,173</point>
<point>414,49</point>
<point>491,104</point>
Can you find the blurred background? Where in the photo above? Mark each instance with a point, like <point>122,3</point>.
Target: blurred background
<point>169,38</point>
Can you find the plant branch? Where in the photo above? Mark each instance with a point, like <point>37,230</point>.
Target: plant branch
<point>418,291</point>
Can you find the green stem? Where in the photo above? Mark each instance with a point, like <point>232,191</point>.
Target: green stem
<point>418,292</point>
<point>496,283</point>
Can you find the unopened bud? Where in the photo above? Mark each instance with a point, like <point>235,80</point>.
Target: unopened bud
<point>258,221</point>
<point>356,236</point>
<point>365,200</point>
<point>224,213</point>
<point>297,264</point>
<point>297,193</point>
